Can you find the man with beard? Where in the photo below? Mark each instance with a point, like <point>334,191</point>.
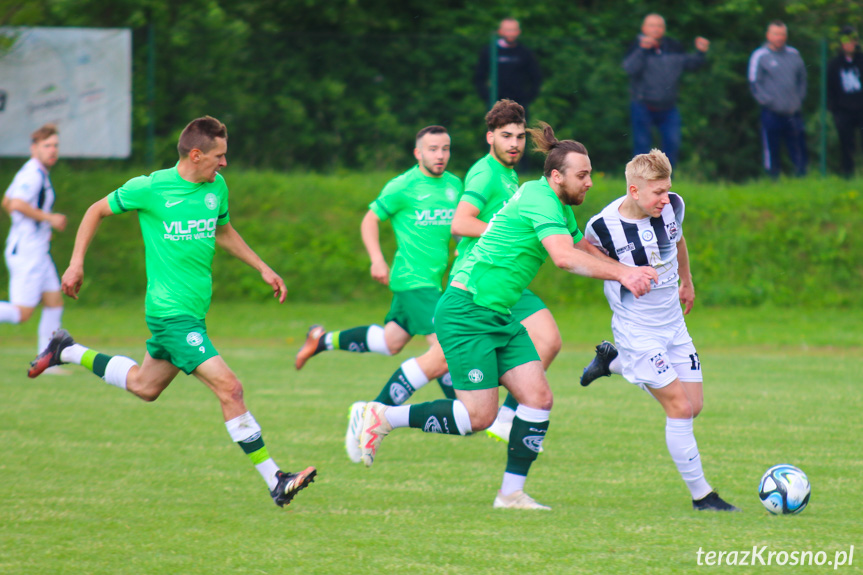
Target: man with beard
<point>483,344</point>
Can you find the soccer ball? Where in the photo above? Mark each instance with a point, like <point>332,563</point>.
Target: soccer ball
<point>784,489</point>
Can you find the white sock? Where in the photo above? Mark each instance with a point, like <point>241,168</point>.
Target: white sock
<point>245,427</point>
<point>684,452</point>
<point>375,340</point>
<point>505,414</point>
<point>531,414</point>
<point>462,417</point>
<point>10,313</point>
<point>49,322</point>
<point>73,354</point>
<point>616,366</point>
<point>512,483</point>
<point>118,369</point>
<point>414,374</point>
<point>398,415</point>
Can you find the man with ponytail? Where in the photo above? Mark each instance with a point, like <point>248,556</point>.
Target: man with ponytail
<point>484,345</point>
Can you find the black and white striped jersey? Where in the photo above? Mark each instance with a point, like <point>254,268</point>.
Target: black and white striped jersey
<point>644,242</point>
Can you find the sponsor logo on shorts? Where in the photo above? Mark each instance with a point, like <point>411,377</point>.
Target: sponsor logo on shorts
<point>446,380</point>
<point>647,235</point>
<point>475,376</point>
<point>432,425</point>
<point>533,442</point>
<point>211,201</point>
<point>659,363</point>
<point>398,393</point>
<point>194,338</point>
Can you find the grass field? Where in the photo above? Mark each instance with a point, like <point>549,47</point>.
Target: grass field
<point>94,481</point>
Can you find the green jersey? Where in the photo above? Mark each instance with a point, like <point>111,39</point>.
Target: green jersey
<point>178,223</point>
<point>421,210</point>
<point>488,186</point>
<point>508,255</point>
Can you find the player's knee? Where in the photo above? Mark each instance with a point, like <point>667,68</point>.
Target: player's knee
<point>482,420</point>
<point>148,395</point>
<point>26,313</point>
<point>230,390</point>
<point>697,406</point>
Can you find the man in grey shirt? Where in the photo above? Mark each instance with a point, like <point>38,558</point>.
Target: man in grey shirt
<point>777,78</point>
<point>654,63</point>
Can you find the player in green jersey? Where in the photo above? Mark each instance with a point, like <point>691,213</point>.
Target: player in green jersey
<point>484,345</point>
<point>420,204</point>
<point>183,212</point>
<point>489,185</point>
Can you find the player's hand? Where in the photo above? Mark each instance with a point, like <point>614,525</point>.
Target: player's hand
<point>381,272</point>
<point>280,290</point>
<point>637,280</point>
<point>687,296</point>
<point>71,282</point>
<point>57,221</point>
<point>702,44</point>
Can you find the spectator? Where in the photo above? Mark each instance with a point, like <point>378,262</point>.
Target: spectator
<point>518,75</point>
<point>845,95</point>
<point>777,78</point>
<point>654,64</point>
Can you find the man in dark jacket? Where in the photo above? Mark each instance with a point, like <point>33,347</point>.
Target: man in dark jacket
<point>654,64</point>
<point>518,74</point>
<point>845,95</point>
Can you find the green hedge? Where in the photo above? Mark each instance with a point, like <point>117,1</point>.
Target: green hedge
<point>786,243</point>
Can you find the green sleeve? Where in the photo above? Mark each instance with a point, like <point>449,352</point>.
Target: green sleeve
<point>477,189</point>
<point>133,195</point>
<point>390,201</point>
<point>572,225</point>
<point>224,214</point>
<point>545,213</point>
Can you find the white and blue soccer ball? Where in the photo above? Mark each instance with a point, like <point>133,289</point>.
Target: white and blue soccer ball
<point>784,489</point>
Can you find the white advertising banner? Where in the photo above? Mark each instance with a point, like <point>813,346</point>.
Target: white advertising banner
<point>77,78</point>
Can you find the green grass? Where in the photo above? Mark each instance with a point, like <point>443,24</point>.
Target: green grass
<point>94,481</point>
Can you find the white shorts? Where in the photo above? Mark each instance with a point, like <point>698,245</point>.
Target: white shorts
<point>654,357</point>
<point>29,277</point>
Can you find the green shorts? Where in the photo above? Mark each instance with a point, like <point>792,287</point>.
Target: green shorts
<point>182,340</point>
<point>414,310</point>
<point>479,344</point>
<point>528,304</point>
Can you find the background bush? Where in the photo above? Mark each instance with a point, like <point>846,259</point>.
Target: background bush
<point>785,244</point>
<point>319,85</point>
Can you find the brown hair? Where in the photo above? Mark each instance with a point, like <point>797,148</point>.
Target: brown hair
<point>555,150</point>
<point>44,133</point>
<point>430,130</point>
<point>503,113</point>
<point>201,134</point>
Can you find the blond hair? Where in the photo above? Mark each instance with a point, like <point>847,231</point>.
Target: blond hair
<point>648,167</point>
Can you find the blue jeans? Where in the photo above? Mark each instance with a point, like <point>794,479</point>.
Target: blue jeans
<point>667,121</point>
<point>778,128</point>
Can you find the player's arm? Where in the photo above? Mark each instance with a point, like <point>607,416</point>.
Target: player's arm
<point>57,221</point>
<point>686,289</point>
<point>232,242</point>
<point>565,256</point>
<point>465,222</point>
<point>584,245</point>
<point>370,231</point>
<point>74,274</point>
